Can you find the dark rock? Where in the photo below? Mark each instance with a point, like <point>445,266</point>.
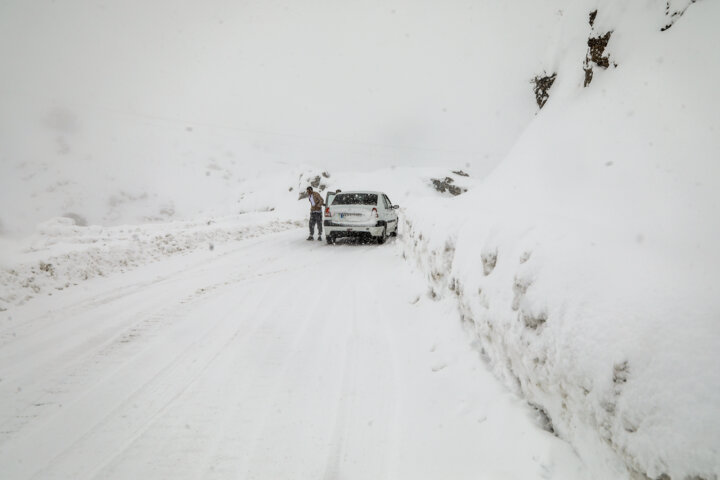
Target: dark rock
<point>596,55</point>
<point>674,16</point>
<point>596,49</point>
<point>542,88</point>
<point>445,185</point>
<point>593,14</point>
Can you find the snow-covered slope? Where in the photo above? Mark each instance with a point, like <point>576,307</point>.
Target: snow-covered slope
<point>586,265</point>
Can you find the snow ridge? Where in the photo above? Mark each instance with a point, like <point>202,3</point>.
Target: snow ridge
<point>63,254</point>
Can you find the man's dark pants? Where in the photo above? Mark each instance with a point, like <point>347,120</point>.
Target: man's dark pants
<point>315,218</point>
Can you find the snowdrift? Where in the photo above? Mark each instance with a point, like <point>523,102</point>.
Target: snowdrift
<point>62,254</point>
<point>585,265</point>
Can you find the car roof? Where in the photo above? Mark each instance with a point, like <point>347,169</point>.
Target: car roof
<point>361,191</point>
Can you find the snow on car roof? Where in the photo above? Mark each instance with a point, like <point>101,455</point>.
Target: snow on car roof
<point>361,191</point>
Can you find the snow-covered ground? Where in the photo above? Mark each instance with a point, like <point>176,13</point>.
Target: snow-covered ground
<point>65,251</point>
<point>160,315</point>
<point>267,357</point>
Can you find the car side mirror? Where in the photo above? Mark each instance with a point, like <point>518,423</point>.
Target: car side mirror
<point>395,207</point>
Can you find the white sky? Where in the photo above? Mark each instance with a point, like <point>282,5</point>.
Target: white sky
<point>427,75</point>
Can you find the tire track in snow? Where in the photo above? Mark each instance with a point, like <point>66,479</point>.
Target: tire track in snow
<point>108,360</point>
<point>365,420</point>
<point>311,350</point>
<point>126,422</point>
<point>223,338</point>
<point>205,421</point>
<point>246,453</point>
<point>390,366</point>
<point>73,371</point>
<point>335,457</point>
<point>154,393</point>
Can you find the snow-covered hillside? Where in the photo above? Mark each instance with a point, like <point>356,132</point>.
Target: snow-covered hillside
<point>583,266</point>
<point>585,263</point>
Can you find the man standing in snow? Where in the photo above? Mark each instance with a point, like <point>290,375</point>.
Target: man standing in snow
<point>316,203</point>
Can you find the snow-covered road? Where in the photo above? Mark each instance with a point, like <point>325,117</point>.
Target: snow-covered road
<point>276,358</point>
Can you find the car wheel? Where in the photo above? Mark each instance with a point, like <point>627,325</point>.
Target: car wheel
<point>330,239</point>
<point>382,237</point>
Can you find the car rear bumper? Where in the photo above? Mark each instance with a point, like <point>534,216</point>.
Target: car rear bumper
<point>340,230</point>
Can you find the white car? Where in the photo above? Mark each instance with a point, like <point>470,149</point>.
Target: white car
<point>360,214</point>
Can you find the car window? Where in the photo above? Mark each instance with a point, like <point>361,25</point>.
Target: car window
<point>355,199</point>
<point>329,198</point>
<point>387,201</point>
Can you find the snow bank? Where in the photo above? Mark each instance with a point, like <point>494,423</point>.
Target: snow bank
<point>586,264</point>
<point>62,254</point>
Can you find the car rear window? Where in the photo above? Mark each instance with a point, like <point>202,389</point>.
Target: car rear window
<point>355,199</point>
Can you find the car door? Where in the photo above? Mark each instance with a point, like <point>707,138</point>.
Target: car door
<point>392,217</point>
<point>384,210</point>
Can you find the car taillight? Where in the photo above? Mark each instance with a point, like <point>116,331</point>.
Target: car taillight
<point>327,212</point>
<point>374,210</point>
